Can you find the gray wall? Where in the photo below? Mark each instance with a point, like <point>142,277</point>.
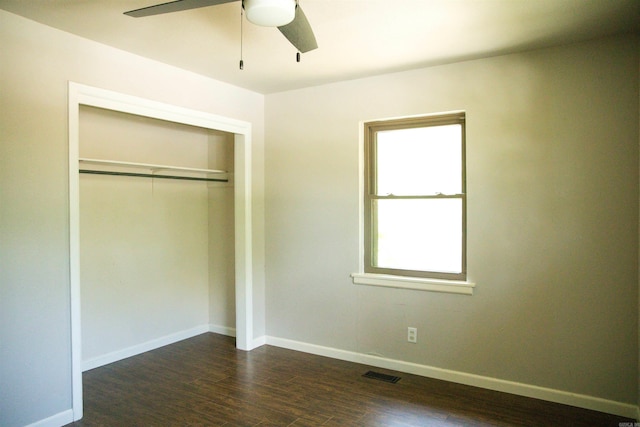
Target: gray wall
<point>552,168</point>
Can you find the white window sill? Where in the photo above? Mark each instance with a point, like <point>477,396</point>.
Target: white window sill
<point>415,283</point>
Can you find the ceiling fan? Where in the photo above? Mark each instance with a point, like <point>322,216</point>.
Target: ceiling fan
<point>287,15</point>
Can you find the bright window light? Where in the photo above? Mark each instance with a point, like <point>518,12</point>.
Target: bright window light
<point>416,197</point>
<point>419,235</point>
<point>419,161</point>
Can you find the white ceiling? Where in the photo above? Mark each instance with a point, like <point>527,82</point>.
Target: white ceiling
<point>356,38</point>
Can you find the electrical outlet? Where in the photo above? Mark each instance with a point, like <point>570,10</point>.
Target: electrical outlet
<point>412,334</point>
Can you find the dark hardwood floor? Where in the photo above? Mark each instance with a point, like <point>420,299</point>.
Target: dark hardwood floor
<point>205,381</point>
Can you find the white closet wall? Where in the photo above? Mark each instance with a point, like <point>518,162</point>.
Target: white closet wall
<point>151,249</point>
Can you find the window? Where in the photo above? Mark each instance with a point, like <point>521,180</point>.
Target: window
<point>414,197</point>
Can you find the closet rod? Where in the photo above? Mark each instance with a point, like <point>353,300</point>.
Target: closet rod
<point>149,175</point>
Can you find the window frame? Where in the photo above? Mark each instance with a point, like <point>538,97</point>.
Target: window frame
<point>371,128</point>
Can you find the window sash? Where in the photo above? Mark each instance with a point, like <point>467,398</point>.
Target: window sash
<point>371,196</point>
<point>415,161</point>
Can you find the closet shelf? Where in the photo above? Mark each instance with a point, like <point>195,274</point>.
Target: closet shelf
<point>218,175</point>
<point>149,166</point>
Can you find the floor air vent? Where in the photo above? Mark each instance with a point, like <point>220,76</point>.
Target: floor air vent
<point>382,377</point>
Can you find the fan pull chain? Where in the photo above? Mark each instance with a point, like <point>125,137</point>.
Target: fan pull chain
<point>297,53</point>
<point>241,19</point>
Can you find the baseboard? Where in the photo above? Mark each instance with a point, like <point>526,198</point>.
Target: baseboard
<point>528,390</point>
<point>57,420</point>
<point>259,342</point>
<point>231,332</point>
<point>96,362</point>
<point>142,348</point>
<point>222,330</point>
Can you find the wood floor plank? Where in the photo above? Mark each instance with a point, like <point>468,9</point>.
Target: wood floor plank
<point>206,381</point>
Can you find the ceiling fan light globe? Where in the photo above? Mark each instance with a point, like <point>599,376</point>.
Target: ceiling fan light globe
<point>270,13</point>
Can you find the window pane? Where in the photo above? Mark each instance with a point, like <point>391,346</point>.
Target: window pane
<point>424,235</point>
<point>420,161</point>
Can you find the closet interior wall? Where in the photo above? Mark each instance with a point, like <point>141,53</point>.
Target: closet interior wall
<point>156,255</point>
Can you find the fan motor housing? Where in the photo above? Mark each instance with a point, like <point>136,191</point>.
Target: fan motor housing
<point>270,13</point>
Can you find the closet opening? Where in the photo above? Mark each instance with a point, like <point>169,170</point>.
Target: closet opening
<point>160,227</point>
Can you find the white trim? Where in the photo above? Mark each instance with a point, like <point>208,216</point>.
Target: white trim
<point>415,283</point>
<point>110,100</point>
<point>134,350</point>
<point>86,95</point>
<point>74,252</point>
<point>222,330</point>
<point>57,420</point>
<point>231,332</point>
<point>528,390</point>
<point>243,241</point>
<point>259,341</point>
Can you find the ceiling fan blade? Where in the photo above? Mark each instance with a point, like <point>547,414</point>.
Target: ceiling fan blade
<point>299,32</point>
<point>174,6</point>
